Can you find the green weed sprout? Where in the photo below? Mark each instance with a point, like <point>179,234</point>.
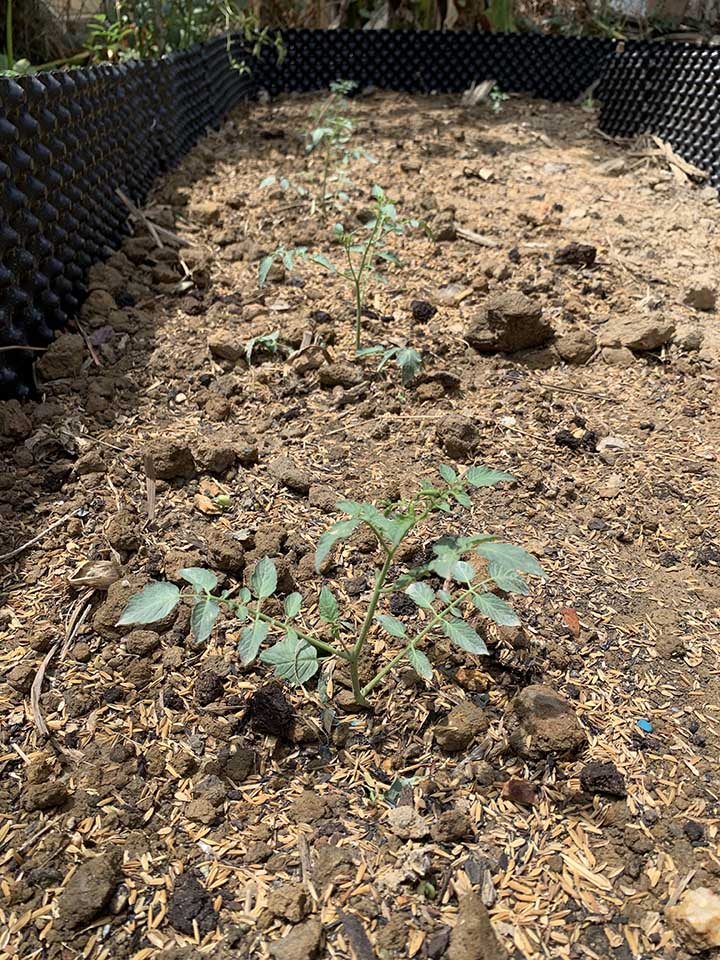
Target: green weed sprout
<point>408,360</point>
<point>287,257</point>
<point>264,341</point>
<point>497,99</point>
<point>445,589</point>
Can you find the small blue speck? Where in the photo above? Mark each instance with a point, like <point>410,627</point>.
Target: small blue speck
<point>645,726</point>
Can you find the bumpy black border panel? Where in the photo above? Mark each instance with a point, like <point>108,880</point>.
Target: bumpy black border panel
<point>69,140</point>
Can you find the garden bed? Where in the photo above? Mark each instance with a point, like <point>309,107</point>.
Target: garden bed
<point>179,805</point>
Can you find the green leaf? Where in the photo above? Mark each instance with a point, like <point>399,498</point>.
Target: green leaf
<point>153,603</point>
<point>369,351</point>
<point>328,606</point>
<point>422,594</point>
<point>339,531</point>
<point>446,557</point>
<point>251,639</point>
<point>510,556</point>
<point>395,528</point>
<point>324,262</point>
<point>507,579</point>
<point>390,624</point>
<point>241,613</point>
<point>447,473</point>
<point>484,477</point>
<point>202,619</point>
<point>292,605</point>
<point>388,355</point>
<point>464,636</point>
<point>420,663</point>
<point>264,268</point>
<point>409,361</point>
<point>200,578</point>
<point>388,256</point>
<point>462,498</point>
<point>244,595</point>
<point>264,578</point>
<point>463,572</point>
<point>496,609</point>
<point>294,659</point>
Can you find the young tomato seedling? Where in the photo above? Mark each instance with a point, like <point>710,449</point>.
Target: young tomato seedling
<point>446,589</point>
<point>329,137</point>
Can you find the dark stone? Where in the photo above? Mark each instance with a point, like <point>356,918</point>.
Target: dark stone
<point>208,688</point>
<point>270,711</point>
<point>604,778</point>
<point>191,901</point>
<point>422,311</point>
<point>576,255</point>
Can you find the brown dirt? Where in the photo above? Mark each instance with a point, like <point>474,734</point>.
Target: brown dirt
<point>231,838</point>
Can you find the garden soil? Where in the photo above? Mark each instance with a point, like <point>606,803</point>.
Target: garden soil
<point>558,798</point>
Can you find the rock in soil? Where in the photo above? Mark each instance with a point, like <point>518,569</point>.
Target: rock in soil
<point>406,823</point>
<point>507,323</point>
<point>142,643</point>
<point>122,531</point>
<point>473,937</point>
<point>63,359</point>
<point>340,375</point>
<point>618,356</point>
<point>14,422</point>
<point>44,796</point>
<point>226,551</point>
<point>701,294</point>
<point>521,791</point>
<point>90,889</point>
<point>576,255</point>
<point>270,711</point>
<point>225,345</point>
<point>543,722</point>
<point>452,826</point>
<point>287,472</point>
<point>291,901</point>
<point>209,687</point>
<point>422,311</point>
<point>191,901</point>
<point>696,920</point>
<point>636,333</point>
<point>458,436</point>
<point>171,459</point>
<point>308,808</point>
<point>237,765</point>
<point>302,943</point>
<point>576,346</point>
<point>461,726</point>
<point>603,778</point>
<point>332,864</point>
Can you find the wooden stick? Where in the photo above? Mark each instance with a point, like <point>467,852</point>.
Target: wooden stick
<point>478,238</point>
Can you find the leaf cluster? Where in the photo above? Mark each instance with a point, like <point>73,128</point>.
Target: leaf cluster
<point>446,590</point>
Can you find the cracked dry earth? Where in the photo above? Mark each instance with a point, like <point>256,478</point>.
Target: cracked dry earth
<point>558,798</point>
